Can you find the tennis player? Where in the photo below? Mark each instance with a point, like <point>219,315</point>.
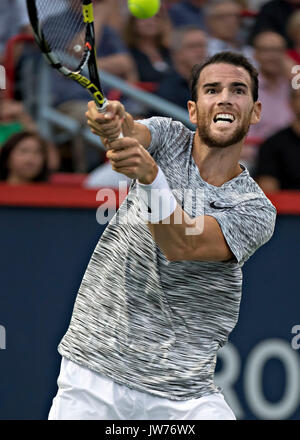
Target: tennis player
<point>162,290</point>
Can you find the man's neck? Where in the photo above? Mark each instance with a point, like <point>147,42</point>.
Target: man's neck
<point>217,165</point>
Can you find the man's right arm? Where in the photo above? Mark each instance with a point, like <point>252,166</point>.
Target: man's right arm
<point>115,120</point>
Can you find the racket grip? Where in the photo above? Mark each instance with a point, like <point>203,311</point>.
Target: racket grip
<point>103,110</point>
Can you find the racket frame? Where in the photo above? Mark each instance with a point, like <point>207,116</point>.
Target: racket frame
<point>92,85</point>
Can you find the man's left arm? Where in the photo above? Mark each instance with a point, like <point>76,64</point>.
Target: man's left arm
<point>234,233</point>
<point>200,238</point>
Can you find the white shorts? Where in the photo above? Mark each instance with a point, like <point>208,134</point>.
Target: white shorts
<point>86,395</point>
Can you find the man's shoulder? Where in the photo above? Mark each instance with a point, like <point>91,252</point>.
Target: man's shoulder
<point>169,138</point>
<point>168,129</point>
<point>164,122</point>
<point>245,190</point>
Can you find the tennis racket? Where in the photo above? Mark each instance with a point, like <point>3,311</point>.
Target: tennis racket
<point>65,34</point>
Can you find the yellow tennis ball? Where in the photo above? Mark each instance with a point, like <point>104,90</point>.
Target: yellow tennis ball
<point>143,8</point>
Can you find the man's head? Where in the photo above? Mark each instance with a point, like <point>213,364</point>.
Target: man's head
<point>188,45</point>
<point>224,93</point>
<point>269,51</point>
<point>223,19</point>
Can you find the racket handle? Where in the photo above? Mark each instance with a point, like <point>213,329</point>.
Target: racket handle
<point>103,110</point>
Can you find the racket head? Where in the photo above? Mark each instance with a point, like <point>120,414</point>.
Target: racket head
<point>66,37</point>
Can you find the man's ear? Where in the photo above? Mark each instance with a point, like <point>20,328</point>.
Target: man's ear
<point>192,109</point>
<point>256,112</point>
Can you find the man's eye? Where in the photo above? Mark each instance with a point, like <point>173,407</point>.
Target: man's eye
<point>240,91</point>
<point>210,91</point>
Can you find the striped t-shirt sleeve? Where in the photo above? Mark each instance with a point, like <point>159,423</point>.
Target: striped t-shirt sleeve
<point>246,227</point>
<point>167,137</point>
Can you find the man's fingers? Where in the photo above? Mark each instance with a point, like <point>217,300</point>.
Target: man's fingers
<point>112,132</point>
<point>101,119</point>
<point>109,130</point>
<point>114,108</point>
<point>105,125</point>
<point>122,143</point>
<point>129,171</point>
<point>131,162</point>
<point>119,155</point>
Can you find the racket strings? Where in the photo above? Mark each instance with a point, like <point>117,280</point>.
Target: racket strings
<point>64,30</point>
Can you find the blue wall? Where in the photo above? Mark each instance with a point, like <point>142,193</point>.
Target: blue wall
<point>43,256</point>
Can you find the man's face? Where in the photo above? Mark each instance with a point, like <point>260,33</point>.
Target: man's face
<point>224,109</point>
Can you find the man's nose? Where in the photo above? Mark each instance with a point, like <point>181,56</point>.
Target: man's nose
<point>224,97</point>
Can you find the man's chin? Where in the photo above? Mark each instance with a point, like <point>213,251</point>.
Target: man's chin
<point>222,139</point>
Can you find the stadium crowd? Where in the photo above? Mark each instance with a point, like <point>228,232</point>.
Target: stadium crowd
<point>157,54</point>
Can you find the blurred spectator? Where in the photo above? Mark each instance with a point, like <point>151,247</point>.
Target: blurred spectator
<point>13,118</point>
<point>274,15</point>
<point>256,5</point>
<point>293,32</point>
<point>148,44</point>
<point>187,12</point>
<point>118,15</point>
<point>274,86</point>
<point>224,25</point>
<point>13,20</point>
<point>23,159</point>
<point>188,47</point>
<point>278,164</point>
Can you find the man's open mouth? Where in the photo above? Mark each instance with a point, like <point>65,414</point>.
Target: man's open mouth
<point>224,117</point>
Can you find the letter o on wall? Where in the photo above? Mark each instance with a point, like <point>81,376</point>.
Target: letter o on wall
<point>262,352</point>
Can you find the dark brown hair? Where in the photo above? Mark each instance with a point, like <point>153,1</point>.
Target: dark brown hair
<point>8,147</point>
<point>227,57</point>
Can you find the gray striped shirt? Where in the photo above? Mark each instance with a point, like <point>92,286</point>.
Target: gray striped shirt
<point>156,325</point>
